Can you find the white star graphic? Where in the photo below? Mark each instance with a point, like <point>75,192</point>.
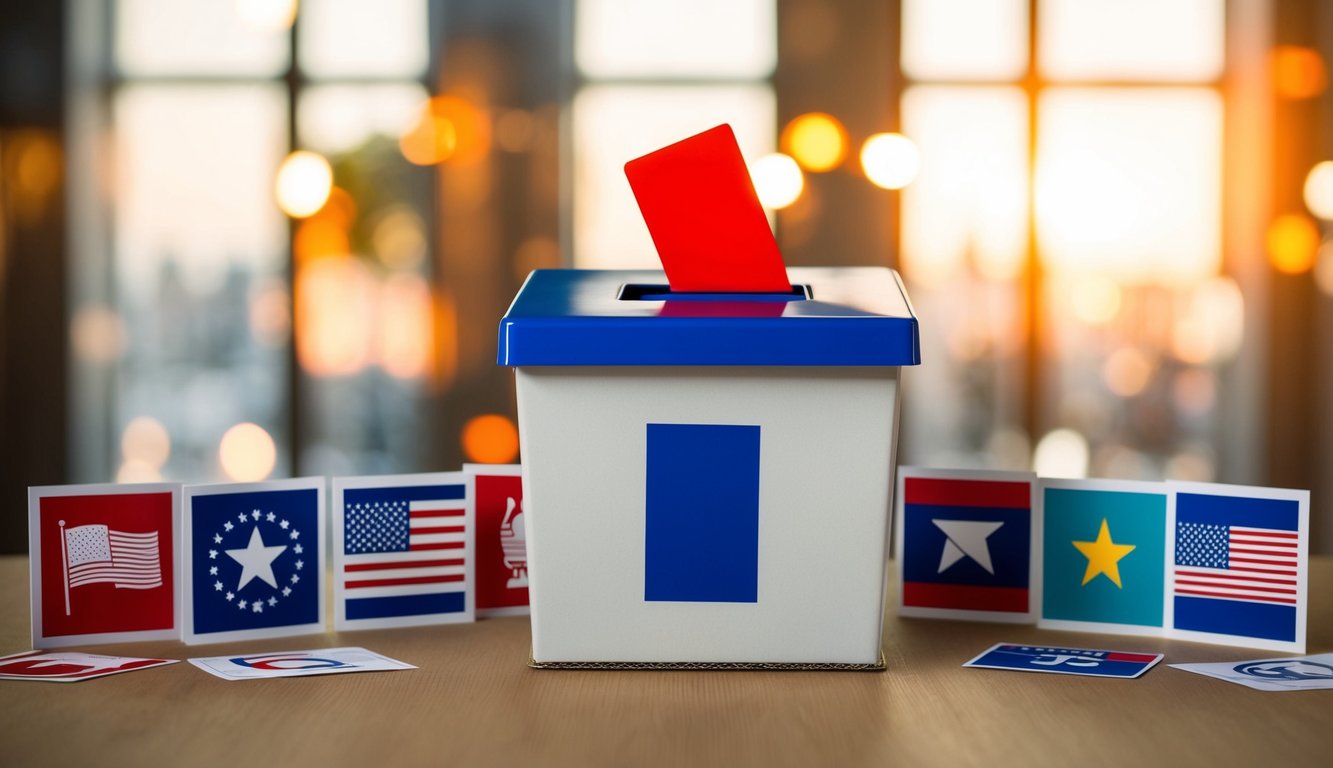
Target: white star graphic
<point>966,538</point>
<point>230,595</point>
<point>299,565</point>
<point>212,554</point>
<point>258,606</point>
<point>286,591</point>
<point>255,514</point>
<point>213,570</point>
<point>297,549</point>
<point>217,538</point>
<point>284,524</point>
<point>296,534</point>
<point>272,601</point>
<point>295,578</point>
<point>241,517</point>
<point>227,526</point>
<point>217,586</point>
<point>243,604</point>
<point>270,517</point>
<point>256,560</point>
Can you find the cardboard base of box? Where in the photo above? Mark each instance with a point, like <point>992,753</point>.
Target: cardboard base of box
<point>723,666</point>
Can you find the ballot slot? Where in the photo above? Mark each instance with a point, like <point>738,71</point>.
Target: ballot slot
<point>658,292</point>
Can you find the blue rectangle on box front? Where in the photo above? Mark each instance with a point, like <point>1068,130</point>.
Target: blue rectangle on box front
<point>406,605</point>
<point>702,509</point>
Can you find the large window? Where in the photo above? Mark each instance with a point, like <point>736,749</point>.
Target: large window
<point>1063,240</point>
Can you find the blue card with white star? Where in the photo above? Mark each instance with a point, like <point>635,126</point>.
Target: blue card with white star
<point>253,557</point>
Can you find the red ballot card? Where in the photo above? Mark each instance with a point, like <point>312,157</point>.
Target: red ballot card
<point>705,218</point>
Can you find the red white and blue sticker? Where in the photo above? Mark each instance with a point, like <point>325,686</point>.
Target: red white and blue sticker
<point>70,666</point>
<point>322,661</point>
<point>1065,661</point>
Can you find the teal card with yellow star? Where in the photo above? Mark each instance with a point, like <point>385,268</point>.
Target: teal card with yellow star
<point>1103,556</point>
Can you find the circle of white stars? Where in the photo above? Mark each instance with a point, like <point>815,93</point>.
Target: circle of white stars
<point>290,536</point>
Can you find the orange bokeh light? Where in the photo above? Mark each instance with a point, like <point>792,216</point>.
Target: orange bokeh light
<point>1298,72</point>
<point>816,140</point>
<point>490,439</point>
<point>406,327</point>
<point>449,128</point>
<point>1293,243</point>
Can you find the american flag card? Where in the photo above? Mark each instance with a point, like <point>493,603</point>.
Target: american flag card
<point>1239,565</point>
<point>403,550</point>
<point>103,565</point>
<point>254,558</point>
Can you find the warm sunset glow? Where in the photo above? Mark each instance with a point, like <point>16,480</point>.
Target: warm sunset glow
<point>1298,72</point>
<point>145,440</point>
<point>816,140</point>
<point>490,439</point>
<point>890,160</point>
<point>1293,243</point>
<point>335,309</point>
<point>1319,190</point>
<point>247,453</point>
<point>406,327</point>
<point>303,183</point>
<point>1094,300</point>
<point>267,15</point>
<point>317,237</point>
<point>777,180</point>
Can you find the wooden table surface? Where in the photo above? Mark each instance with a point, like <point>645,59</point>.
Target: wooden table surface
<point>475,702</point>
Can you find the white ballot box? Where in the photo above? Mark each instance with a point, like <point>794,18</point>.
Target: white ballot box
<point>707,477</point>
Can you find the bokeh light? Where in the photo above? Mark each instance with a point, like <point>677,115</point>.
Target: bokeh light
<point>890,160</point>
<point>490,439</point>
<point>267,15</point>
<point>1127,371</point>
<point>1095,299</point>
<point>335,310</point>
<point>146,441</point>
<point>777,180</point>
<point>406,327</point>
<point>1323,271</point>
<point>1293,243</point>
<point>304,182</point>
<point>1298,72</point>
<point>247,453</point>
<point>816,140</point>
<point>1319,190</point>
<point>448,128</point>
<point>1061,453</point>
<point>97,334</point>
<point>134,471</point>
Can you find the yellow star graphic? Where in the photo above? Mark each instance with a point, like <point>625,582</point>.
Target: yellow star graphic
<point>1103,555</point>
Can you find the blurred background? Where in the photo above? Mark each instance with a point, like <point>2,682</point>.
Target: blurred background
<point>243,239</point>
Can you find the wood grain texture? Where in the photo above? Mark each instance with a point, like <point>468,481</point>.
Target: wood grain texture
<point>474,702</point>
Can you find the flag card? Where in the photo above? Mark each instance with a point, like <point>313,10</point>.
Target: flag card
<point>104,566</point>
<point>70,666</point>
<point>1239,565</point>
<point>1301,673</point>
<point>965,541</point>
<point>403,550</point>
<point>253,560</point>
<point>1065,661</point>
<point>1103,556</point>
<point>321,661</point>
<point>502,558</point>
<point>704,216</point>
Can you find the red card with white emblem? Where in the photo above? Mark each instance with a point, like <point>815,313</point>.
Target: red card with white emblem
<point>502,559</point>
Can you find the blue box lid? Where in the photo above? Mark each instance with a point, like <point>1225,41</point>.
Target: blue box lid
<point>840,316</point>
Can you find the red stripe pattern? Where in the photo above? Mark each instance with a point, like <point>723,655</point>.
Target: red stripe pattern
<point>1236,563</point>
<point>973,493</point>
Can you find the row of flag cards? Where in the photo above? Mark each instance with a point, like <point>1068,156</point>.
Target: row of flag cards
<point>215,563</point>
<point>1195,561</point>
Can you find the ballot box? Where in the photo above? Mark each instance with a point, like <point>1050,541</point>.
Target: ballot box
<point>707,476</point>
